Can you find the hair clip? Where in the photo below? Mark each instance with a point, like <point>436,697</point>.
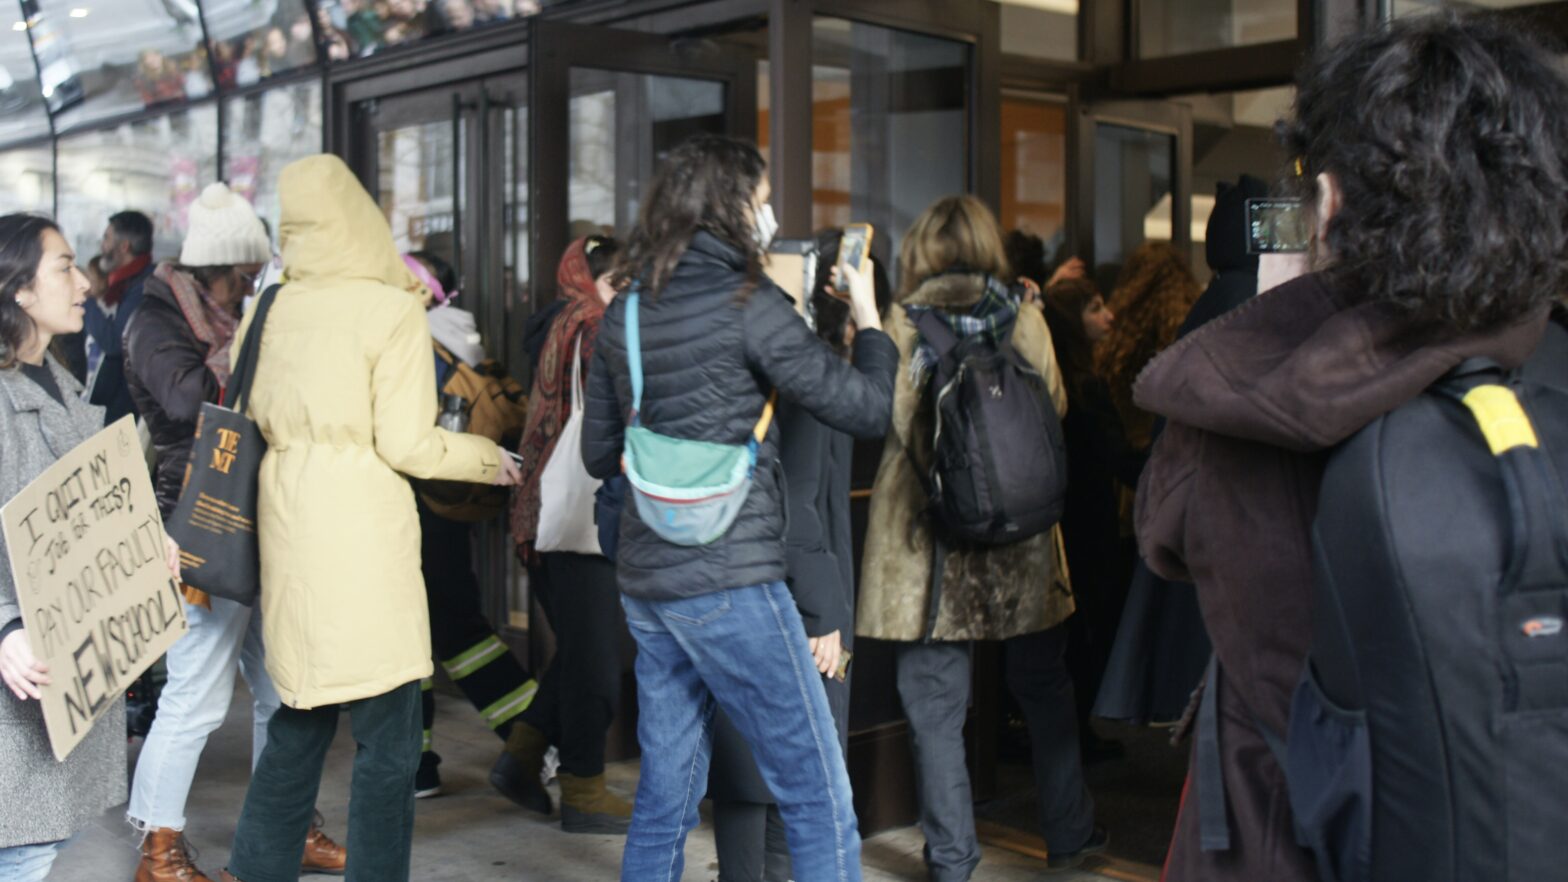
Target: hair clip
<point>1301,167</point>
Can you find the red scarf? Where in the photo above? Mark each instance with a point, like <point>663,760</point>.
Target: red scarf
<point>121,278</point>
<point>550,404</point>
<point>211,323</point>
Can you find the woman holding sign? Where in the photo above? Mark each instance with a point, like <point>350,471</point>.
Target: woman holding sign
<point>42,417</point>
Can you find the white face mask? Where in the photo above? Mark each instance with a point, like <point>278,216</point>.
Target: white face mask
<point>764,225</point>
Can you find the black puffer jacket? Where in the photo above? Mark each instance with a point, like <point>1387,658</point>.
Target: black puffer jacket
<point>166,370</point>
<point>709,362</point>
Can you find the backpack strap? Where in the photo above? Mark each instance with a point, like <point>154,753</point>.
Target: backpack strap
<point>936,332</point>
<point>1535,583</point>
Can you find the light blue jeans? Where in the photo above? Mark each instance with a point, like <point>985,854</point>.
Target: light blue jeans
<point>743,649</point>
<point>28,863</point>
<point>194,703</point>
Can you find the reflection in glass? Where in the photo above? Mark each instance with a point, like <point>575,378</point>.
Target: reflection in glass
<point>514,244</point>
<point>1401,8</point>
<point>1040,28</point>
<point>27,180</point>
<point>356,28</point>
<point>1177,27</point>
<point>1034,168</point>
<point>417,165</point>
<point>255,40</point>
<point>264,132</point>
<point>622,125</point>
<point>113,61</point>
<point>889,127</point>
<point>1133,173</point>
<point>156,166</point>
<point>22,113</point>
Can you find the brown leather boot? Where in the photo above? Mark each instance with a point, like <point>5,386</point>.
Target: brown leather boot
<point>322,855</point>
<point>588,807</point>
<point>167,858</point>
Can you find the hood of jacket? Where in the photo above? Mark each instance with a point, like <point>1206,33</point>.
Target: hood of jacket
<point>1304,366</point>
<point>331,229</point>
<point>949,291</point>
<point>1225,243</point>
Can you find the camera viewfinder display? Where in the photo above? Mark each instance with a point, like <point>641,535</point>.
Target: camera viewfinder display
<point>1276,226</point>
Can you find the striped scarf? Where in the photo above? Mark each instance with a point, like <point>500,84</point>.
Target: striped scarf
<point>992,313</point>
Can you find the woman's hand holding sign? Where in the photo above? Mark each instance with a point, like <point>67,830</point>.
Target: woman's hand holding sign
<point>22,673</point>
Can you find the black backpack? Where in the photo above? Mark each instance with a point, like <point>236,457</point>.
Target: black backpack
<point>1429,734</point>
<point>999,462</point>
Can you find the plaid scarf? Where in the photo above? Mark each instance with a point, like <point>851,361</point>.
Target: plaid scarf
<point>992,313</point>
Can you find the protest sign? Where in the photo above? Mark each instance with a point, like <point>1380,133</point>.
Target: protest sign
<point>86,546</point>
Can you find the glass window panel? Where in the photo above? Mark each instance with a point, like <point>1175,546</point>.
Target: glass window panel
<point>356,28</point>
<point>118,57</point>
<point>422,177</point>
<point>1233,134</point>
<point>1133,172</point>
<point>156,166</point>
<point>27,180</point>
<point>265,131</point>
<point>22,113</point>
<point>622,124</point>
<point>1034,168</point>
<point>1040,28</point>
<point>1177,27</point>
<point>254,40</point>
<point>515,246</point>
<point>889,127</point>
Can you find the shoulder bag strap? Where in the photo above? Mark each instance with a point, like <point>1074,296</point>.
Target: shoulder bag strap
<point>936,332</point>
<point>238,390</point>
<point>634,352</point>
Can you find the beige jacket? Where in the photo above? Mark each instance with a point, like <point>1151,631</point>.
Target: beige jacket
<point>986,594</point>
<point>343,395</point>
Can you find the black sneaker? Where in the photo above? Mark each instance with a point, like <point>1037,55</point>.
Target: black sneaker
<point>1098,840</point>
<point>427,781</point>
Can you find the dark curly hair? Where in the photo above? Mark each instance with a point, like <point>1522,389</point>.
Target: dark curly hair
<point>705,184</point>
<point>21,251</point>
<point>1063,304</point>
<point>1152,298</point>
<point>1448,137</point>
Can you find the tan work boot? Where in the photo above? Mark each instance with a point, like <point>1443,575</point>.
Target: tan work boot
<point>516,771</point>
<point>322,855</point>
<point>587,806</point>
<point>166,858</point>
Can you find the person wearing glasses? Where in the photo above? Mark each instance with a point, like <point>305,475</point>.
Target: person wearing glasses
<point>177,357</point>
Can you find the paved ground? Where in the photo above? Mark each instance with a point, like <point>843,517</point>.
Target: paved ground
<point>470,833</point>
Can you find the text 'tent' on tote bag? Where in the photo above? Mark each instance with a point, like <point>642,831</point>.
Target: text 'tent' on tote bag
<point>215,520</point>
<point>566,490</point>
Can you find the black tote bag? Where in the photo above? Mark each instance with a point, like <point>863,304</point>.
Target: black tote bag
<point>215,519</point>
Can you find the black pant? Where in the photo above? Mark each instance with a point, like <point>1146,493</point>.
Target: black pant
<point>464,642</point>
<point>751,842</point>
<point>576,699</point>
<point>280,803</point>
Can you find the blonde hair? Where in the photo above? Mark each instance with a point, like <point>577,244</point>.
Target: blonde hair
<point>956,232</point>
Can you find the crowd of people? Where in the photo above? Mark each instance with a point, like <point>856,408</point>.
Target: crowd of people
<point>682,461</point>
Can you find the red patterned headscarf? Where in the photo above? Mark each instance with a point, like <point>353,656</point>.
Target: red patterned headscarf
<point>550,403</point>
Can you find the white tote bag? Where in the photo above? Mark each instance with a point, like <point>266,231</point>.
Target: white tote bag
<point>565,488</point>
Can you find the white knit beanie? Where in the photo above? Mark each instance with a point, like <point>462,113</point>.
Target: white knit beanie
<point>223,230</point>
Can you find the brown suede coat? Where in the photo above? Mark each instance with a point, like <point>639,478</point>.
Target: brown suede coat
<point>987,594</point>
<point>1256,401</point>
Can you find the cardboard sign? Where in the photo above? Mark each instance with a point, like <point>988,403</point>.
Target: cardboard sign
<point>86,546</point>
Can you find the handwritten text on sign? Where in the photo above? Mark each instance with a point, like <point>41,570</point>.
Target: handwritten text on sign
<point>86,546</point>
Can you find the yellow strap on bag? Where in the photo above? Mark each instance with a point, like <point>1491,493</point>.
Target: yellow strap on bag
<point>1502,419</point>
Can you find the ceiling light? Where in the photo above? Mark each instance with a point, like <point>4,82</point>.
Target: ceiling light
<point>79,12</point>
<point>19,26</point>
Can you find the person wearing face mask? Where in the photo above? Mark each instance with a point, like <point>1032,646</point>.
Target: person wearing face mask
<point>577,694</point>
<point>42,414</point>
<point>177,349</point>
<point>715,624</point>
<point>1099,460</point>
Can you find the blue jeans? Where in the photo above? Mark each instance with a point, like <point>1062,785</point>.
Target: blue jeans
<point>28,863</point>
<point>743,649</point>
<point>193,705</point>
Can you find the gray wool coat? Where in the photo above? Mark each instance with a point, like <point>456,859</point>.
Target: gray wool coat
<point>42,800</point>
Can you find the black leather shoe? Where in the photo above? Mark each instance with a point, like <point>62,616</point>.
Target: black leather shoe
<point>1098,840</point>
<point>520,783</point>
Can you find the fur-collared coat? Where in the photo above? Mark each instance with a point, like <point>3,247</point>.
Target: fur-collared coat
<point>986,593</point>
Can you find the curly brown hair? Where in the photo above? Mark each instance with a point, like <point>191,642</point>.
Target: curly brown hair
<point>1152,298</point>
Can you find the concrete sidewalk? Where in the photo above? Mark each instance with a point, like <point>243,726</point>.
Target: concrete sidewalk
<point>469,833</point>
